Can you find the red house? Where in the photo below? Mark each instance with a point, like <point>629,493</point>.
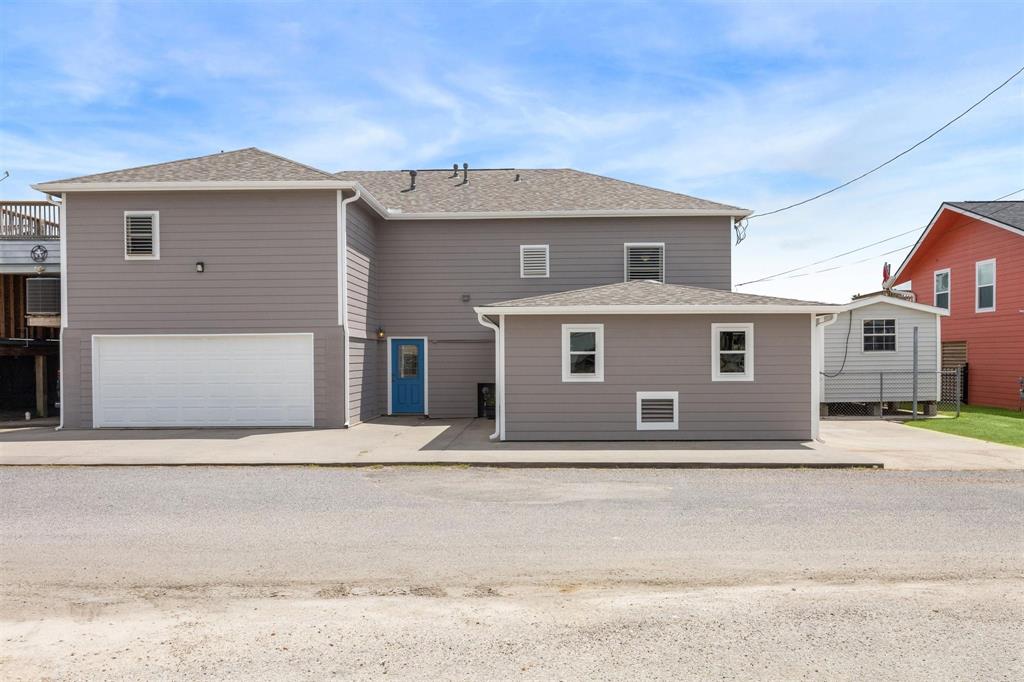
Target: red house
<point>970,260</point>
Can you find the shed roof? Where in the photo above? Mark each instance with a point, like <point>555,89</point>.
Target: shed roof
<point>650,294</point>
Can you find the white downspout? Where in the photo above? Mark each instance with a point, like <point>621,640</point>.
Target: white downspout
<point>343,288</point>
<point>498,383</point>
<point>63,227</point>
<point>818,324</point>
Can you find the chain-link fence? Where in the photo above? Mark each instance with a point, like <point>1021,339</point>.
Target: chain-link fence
<point>892,394</point>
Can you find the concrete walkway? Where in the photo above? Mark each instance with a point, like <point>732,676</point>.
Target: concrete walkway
<point>394,440</point>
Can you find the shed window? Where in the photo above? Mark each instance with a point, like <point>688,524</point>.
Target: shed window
<point>879,336</point>
<point>534,261</point>
<point>942,288</point>
<point>582,352</point>
<point>645,261</point>
<point>985,286</point>
<point>141,235</point>
<point>732,352</point>
<point>657,410</point>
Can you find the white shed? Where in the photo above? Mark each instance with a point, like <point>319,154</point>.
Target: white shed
<point>869,352</point>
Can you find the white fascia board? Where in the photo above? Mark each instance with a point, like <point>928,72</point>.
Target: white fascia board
<point>955,209</point>
<point>501,215</point>
<point>892,300</point>
<point>656,309</point>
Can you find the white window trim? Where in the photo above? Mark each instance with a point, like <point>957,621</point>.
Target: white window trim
<point>522,262</point>
<point>598,375</point>
<point>625,257</point>
<point>156,234</point>
<point>977,298</point>
<point>896,327</point>
<point>748,361</point>
<point>949,287</point>
<point>657,395</point>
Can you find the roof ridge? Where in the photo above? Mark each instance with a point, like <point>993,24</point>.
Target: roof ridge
<point>285,158</point>
<point>155,165</point>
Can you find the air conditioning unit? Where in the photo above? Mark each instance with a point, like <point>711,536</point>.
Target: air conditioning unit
<point>42,296</point>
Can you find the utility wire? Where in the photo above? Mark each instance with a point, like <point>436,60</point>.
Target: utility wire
<point>779,275</point>
<point>902,153</point>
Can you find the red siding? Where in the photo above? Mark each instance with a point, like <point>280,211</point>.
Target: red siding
<point>995,340</point>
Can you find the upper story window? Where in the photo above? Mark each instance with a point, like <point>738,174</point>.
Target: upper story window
<point>645,260</point>
<point>534,260</point>
<point>141,235</point>
<point>942,289</point>
<point>985,286</point>
<point>879,336</point>
<point>732,352</point>
<point>582,352</point>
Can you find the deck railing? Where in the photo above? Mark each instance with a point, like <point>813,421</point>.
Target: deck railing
<point>29,220</point>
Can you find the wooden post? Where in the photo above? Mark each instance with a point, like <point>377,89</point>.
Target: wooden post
<point>41,386</point>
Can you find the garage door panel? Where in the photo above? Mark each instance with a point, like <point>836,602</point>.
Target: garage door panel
<point>229,380</point>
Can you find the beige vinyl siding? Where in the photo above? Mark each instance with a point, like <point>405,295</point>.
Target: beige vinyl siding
<point>859,381</point>
<point>658,353</point>
<point>271,266</point>
<point>425,267</point>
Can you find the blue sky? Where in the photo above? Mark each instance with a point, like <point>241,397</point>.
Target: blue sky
<point>752,104</point>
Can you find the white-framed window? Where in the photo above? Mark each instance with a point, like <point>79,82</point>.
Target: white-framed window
<point>644,261</point>
<point>142,235</point>
<point>732,352</point>
<point>985,286</point>
<point>879,336</point>
<point>657,410</point>
<point>534,260</point>
<point>582,352</point>
<point>942,289</point>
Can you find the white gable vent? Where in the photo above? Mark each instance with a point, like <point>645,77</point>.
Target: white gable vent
<point>534,261</point>
<point>142,234</point>
<point>42,296</point>
<point>657,410</point>
<point>645,262</point>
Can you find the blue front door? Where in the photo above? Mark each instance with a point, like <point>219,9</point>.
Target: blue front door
<point>408,367</point>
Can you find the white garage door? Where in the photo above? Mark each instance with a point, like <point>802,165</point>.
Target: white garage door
<point>192,380</point>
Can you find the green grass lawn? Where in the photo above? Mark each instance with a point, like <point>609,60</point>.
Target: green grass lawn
<point>984,423</point>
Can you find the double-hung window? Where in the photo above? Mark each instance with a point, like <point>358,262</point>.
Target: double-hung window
<point>880,336</point>
<point>141,235</point>
<point>645,261</point>
<point>985,286</point>
<point>732,352</point>
<point>942,289</point>
<point>582,352</point>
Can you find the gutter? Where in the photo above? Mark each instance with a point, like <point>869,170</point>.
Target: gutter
<point>499,379</point>
<point>343,290</point>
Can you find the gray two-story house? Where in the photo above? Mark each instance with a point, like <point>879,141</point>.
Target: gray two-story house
<point>245,289</point>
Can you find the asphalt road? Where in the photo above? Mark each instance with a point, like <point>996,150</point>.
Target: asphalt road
<point>419,573</point>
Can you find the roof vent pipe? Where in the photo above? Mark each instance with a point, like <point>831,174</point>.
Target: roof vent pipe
<point>517,178</point>
<point>465,173</point>
<point>412,180</point>
<point>455,170</point>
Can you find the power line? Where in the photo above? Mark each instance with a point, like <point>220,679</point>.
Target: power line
<point>779,275</point>
<point>902,153</point>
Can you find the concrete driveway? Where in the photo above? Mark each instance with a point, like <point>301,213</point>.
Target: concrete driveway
<point>395,440</point>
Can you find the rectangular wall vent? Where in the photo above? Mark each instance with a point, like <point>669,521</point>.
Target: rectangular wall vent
<point>42,296</point>
<point>141,235</point>
<point>533,261</point>
<point>645,262</point>
<point>657,410</point>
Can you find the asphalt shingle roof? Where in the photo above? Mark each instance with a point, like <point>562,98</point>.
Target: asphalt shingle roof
<point>242,165</point>
<point>489,190</point>
<point>642,292</point>
<point>1008,212</point>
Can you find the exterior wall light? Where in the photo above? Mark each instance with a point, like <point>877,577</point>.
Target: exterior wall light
<point>200,266</point>
<point>381,333</point>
